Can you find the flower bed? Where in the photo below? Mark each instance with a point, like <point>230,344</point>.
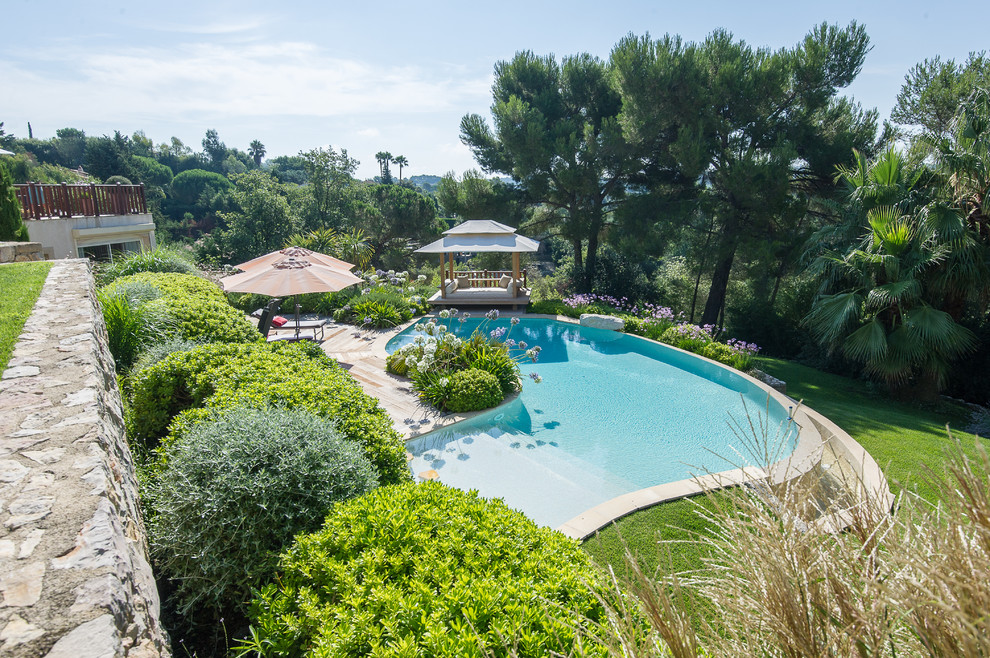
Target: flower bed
<point>659,323</point>
<point>436,358</point>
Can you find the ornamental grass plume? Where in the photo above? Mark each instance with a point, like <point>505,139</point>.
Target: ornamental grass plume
<point>778,582</point>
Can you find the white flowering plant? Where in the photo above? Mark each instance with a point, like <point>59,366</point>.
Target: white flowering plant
<point>436,353</point>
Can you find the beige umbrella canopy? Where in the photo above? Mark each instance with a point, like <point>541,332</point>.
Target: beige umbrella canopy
<point>296,252</point>
<point>289,275</point>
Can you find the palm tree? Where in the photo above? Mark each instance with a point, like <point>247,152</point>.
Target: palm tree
<point>384,159</point>
<point>257,151</point>
<point>883,301</point>
<point>402,162</point>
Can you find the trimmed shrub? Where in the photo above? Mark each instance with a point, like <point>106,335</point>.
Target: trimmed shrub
<point>473,389</point>
<point>185,387</point>
<point>162,259</point>
<point>198,306</point>
<point>235,492</point>
<point>157,351</point>
<point>425,570</point>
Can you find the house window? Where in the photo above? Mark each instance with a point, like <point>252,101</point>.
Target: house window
<point>107,252</point>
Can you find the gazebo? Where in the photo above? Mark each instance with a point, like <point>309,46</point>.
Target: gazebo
<point>481,287</point>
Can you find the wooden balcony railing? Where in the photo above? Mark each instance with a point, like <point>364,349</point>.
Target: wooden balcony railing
<point>41,200</point>
<point>488,278</point>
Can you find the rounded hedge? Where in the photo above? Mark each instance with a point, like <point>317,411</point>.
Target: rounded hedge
<point>234,493</point>
<point>473,389</point>
<point>183,388</point>
<point>198,306</point>
<point>425,570</point>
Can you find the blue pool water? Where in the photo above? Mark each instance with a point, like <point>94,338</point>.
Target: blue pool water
<point>614,414</point>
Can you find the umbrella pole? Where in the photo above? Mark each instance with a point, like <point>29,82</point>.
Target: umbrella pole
<point>297,320</point>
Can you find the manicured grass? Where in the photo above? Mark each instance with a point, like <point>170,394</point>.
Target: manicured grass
<point>905,439</point>
<point>21,284</point>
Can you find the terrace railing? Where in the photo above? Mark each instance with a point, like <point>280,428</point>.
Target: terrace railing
<point>42,200</point>
<point>488,278</point>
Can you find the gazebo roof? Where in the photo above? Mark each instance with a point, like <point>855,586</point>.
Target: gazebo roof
<point>480,235</point>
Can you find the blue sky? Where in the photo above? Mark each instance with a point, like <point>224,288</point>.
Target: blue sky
<point>383,75</point>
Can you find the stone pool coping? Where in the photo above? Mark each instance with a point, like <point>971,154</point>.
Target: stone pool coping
<point>819,441</point>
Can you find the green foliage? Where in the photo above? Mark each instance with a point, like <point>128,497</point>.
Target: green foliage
<point>494,358</point>
<point>188,186</point>
<point>893,299</point>
<point>21,284</point>
<point>934,89</point>
<point>234,493</point>
<point>198,306</point>
<point>396,365</point>
<point>379,314</point>
<point>185,386</point>
<point>473,389</point>
<point>261,221</point>
<point>553,307</point>
<point>393,214</point>
<point>158,350</point>
<point>135,317</point>
<point>151,172</point>
<point>557,131</point>
<point>164,258</point>
<point>12,228</point>
<point>423,570</point>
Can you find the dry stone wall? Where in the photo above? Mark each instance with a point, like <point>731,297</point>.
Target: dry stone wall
<point>20,252</point>
<point>75,579</point>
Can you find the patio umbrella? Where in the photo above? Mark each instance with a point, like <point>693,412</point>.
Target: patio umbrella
<point>6,152</point>
<point>289,276</point>
<point>296,252</point>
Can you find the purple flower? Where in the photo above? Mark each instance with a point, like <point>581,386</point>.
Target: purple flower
<point>497,334</point>
<point>535,377</point>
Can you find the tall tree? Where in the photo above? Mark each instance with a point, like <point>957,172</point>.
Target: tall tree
<point>384,158</point>
<point>257,151</point>
<point>557,135</point>
<point>70,144</point>
<point>215,150</point>
<point>477,197</point>
<point>109,156</point>
<point>934,89</point>
<point>262,220</point>
<point>330,175</point>
<point>11,225</point>
<point>753,120</point>
<point>391,214</point>
<point>402,162</point>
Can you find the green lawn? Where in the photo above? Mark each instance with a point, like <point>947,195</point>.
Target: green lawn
<point>21,284</point>
<point>903,438</point>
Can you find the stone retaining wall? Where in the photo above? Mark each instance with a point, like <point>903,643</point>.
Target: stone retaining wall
<point>74,571</point>
<point>20,252</point>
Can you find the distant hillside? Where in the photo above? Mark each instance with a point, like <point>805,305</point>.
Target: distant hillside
<point>426,182</point>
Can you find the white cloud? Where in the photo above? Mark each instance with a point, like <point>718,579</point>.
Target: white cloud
<point>229,81</point>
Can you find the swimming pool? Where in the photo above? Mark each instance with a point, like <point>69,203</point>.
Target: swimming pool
<point>615,413</point>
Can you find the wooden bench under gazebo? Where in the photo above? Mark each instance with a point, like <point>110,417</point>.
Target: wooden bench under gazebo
<point>481,287</point>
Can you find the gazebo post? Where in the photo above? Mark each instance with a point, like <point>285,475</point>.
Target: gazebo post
<point>450,257</point>
<point>515,273</point>
<point>443,277</point>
